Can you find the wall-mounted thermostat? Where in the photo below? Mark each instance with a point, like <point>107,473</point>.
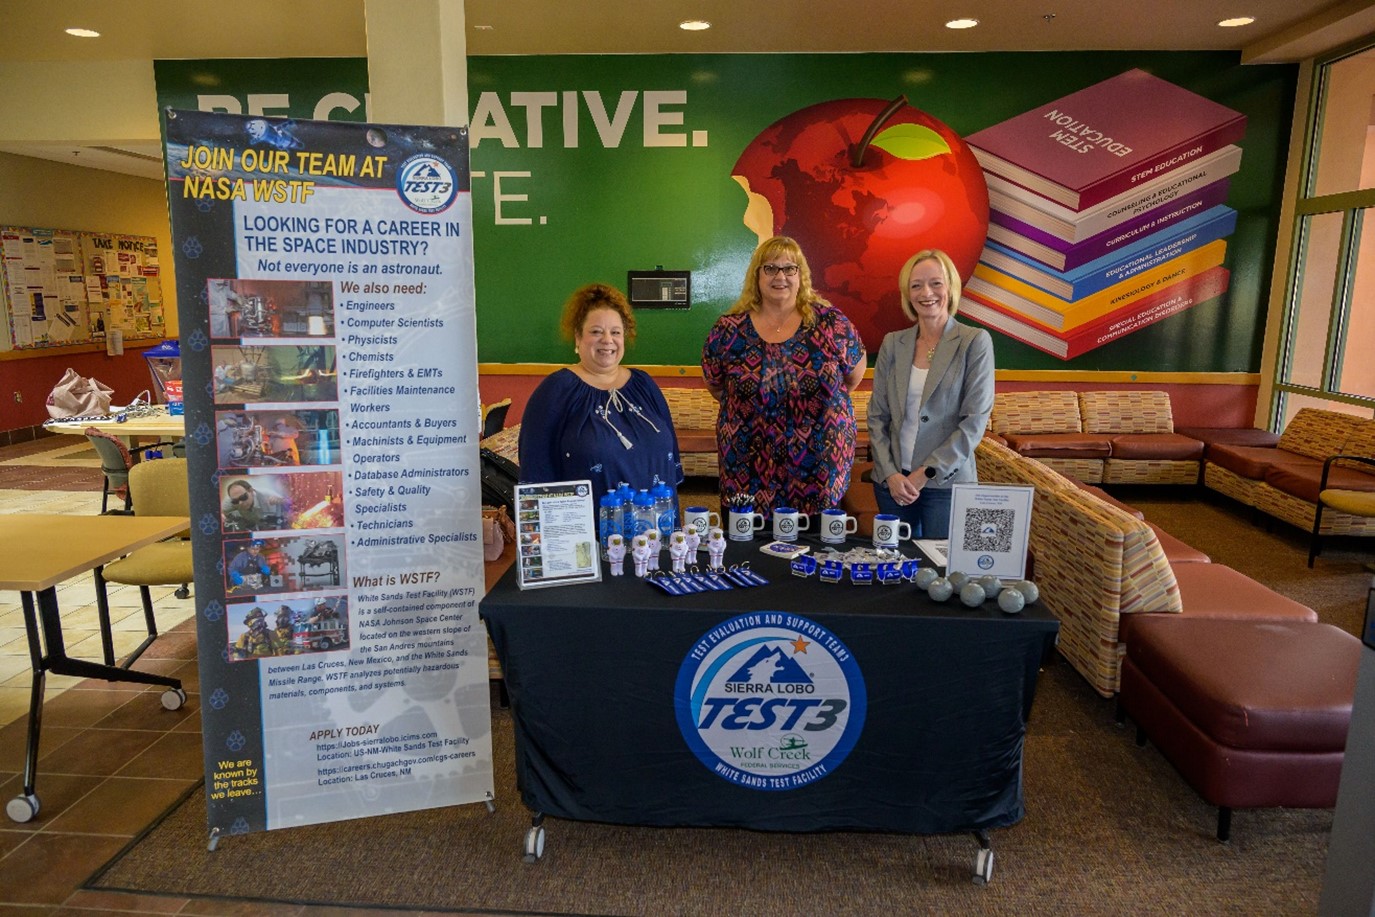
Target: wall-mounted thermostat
<point>659,289</point>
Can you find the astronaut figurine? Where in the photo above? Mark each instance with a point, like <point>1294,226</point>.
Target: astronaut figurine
<point>615,554</point>
<point>655,547</point>
<point>639,551</point>
<point>678,551</point>
<point>716,548</point>
<point>694,541</point>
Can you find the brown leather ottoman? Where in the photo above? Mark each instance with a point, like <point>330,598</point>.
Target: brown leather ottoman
<point>1251,713</point>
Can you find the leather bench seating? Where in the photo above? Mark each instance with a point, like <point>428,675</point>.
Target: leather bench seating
<point>1251,714</point>
<point>859,501</point>
<point>694,420</point>
<point>1047,426</point>
<point>1282,480</point>
<point>1113,437</point>
<point>1229,436</point>
<point>1100,568</point>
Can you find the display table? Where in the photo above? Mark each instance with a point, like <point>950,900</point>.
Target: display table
<point>38,551</point>
<point>156,423</point>
<point>591,671</point>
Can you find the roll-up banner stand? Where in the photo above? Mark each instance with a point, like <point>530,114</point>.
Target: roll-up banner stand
<point>325,285</point>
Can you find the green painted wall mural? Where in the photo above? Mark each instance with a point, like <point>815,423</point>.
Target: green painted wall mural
<point>585,167</point>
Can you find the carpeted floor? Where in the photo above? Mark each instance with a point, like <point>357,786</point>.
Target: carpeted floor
<point>1110,829</point>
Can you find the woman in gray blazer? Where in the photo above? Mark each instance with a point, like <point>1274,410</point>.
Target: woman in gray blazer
<point>933,392</point>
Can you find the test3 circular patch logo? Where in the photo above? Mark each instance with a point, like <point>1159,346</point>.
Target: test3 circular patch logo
<point>770,700</point>
<point>426,183</point>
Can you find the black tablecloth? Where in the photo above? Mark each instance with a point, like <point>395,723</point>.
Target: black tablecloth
<point>591,673</point>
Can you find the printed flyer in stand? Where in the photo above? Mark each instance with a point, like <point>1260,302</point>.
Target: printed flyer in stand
<point>325,294</point>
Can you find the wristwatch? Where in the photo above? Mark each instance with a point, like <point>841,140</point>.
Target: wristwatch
<point>930,472</point>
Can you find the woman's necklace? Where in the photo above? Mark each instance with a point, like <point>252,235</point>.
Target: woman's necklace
<point>934,337</point>
<point>782,322</point>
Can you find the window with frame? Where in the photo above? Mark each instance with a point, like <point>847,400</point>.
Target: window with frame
<point>1329,320</point>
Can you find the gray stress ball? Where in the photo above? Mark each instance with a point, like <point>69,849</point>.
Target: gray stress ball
<point>1029,590</point>
<point>991,583</point>
<point>940,589</point>
<point>1011,600</point>
<point>973,594</point>
<point>925,577</point>
<point>957,580</point>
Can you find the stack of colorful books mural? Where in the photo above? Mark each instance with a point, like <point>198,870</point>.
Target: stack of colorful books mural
<point>1107,213</point>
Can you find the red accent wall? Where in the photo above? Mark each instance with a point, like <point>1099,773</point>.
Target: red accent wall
<point>1192,405</point>
<point>34,377</point>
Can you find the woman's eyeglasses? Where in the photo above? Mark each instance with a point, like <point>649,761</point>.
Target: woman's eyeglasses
<point>788,270</point>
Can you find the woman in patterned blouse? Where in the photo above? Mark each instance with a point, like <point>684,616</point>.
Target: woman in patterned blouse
<point>782,361</point>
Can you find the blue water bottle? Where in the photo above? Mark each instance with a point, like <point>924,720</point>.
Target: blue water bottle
<point>626,493</point>
<point>609,519</point>
<point>644,513</point>
<point>665,509</point>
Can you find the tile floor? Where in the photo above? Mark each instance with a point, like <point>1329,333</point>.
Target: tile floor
<point>111,758</point>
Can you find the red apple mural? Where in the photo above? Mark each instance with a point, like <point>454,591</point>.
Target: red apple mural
<point>862,185</point>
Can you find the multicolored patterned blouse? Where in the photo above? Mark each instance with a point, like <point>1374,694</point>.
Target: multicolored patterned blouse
<point>786,431</point>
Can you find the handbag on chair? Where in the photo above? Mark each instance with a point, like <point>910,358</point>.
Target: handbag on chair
<point>500,476</point>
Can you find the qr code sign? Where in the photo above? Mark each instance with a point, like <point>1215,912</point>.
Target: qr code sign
<point>988,530</point>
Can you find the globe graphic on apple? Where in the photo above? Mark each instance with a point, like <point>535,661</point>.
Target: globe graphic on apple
<point>862,185</point>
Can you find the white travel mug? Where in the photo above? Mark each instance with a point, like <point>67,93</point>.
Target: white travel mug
<point>787,522</point>
<point>836,524</point>
<point>889,530</point>
<point>701,519</point>
<point>744,522</point>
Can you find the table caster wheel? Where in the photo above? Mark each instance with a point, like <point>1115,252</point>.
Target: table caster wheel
<point>183,593</point>
<point>983,866</point>
<point>173,699</point>
<point>22,808</point>
<point>534,844</point>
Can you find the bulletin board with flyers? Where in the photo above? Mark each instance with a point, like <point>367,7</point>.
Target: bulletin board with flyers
<point>63,286</point>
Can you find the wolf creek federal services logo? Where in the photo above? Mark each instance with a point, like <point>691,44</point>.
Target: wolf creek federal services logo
<point>770,700</point>
<point>426,183</point>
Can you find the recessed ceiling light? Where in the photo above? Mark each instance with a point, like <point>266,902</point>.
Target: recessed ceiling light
<point>961,23</point>
<point>483,28</point>
<point>84,33</point>
<point>694,25</point>
<point>1237,21</point>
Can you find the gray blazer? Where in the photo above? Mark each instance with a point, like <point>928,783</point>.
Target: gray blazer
<point>955,403</point>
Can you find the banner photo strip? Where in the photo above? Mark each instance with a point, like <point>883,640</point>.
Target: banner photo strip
<point>325,286</point>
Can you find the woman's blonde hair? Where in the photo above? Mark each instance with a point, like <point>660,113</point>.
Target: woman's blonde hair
<point>952,279</point>
<point>589,299</point>
<point>783,246</point>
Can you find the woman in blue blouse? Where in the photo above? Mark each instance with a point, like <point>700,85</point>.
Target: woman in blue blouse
<point>598,419</point>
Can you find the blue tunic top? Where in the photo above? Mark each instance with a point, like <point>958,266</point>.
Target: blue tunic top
<point>571,430</point>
